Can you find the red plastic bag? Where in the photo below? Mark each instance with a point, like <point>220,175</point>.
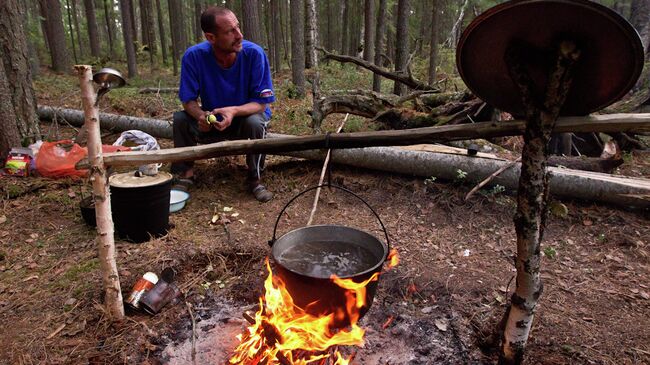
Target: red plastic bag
<point>58,159</point>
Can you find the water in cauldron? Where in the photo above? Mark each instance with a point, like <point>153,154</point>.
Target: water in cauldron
<point>322,259</point>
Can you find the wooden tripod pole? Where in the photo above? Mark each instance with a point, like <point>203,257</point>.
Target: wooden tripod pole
<point>322,174</point>
<point>98,177</point>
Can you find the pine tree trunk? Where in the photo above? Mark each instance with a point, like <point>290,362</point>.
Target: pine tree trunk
<point>251,17</point>
<point>298,47</point>
<point>75,18</point>
<point>345,27</point>
<point>198,32</point>
<point>330,28</point>
<point>433,50</point>
<point>161,31</point>
<point>285,30</point>
<point>182,27</point>
<point>98,177</point>
<point>125,8</point>
<point>277,38</point>
<point>379,43</point>
<point>133,24</point>
<point>369,31</point>
<point>93,35</point>
<point>149,28</point>
<point>264,25</point>
<point>401,43</point>
<point>17,94</point>
<point>173,30</point>
<point>71,31</point>
<point>110,30</point>
<point>640,18</point>
<point>51,11</point>
<point>143,18</point>
<point>9,136</point>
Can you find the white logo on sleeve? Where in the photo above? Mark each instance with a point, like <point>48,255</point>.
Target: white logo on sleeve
<point>266,93</point>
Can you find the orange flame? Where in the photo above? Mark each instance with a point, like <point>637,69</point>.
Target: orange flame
<point>285,334</point>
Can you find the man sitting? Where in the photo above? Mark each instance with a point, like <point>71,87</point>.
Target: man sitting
<point>232,79</point>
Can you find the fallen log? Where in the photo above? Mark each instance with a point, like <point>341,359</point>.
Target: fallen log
<point>565,183</point>
<point>585,163</point>
<point>111,122</point>
<point>634,123</point>
<point>158,90</point>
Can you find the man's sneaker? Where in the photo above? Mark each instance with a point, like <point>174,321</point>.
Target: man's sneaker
<point>260,193</point>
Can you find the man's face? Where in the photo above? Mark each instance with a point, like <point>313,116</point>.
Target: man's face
<point>227,38</point>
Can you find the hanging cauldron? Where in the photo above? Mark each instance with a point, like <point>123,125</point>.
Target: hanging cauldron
<point>306,257</point>
<point>140,205</point>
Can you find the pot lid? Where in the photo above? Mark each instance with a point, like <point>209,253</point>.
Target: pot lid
<point>133,180</point>
<point>610,62</point>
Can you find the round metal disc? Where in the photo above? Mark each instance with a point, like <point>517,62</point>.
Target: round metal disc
<point>109,77</point>
<point>610,62</point>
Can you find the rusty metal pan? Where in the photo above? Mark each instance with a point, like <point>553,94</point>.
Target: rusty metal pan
<point>610,63</point>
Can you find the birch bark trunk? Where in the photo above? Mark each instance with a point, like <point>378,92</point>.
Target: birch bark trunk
<point>98,177</point>
<point>533,193</point>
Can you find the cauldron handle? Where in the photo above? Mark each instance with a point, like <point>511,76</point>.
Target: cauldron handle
<point>277,221</point>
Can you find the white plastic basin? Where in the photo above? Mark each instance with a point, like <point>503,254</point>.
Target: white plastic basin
<point>177,200</point>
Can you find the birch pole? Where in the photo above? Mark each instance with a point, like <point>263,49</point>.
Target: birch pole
<point>533,192</point>
<point>322,174</point>
<point>98,177</point>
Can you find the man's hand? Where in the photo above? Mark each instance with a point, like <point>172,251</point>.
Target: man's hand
<point>227,115</point>
<point>203,124</point>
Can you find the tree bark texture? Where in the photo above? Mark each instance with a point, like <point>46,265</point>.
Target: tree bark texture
<point>252,23</point>
<point>402,44</point>
<point>98,177</point>
<point>93,34</point>
<point>433,50</point>
<point>198,32</point>
<point>533,193</point>
<point>17,72</point>
<point>174,28</point>
<point>149,27</point>
<point>71,31</point>
<point>345,27</point>
<point>311,35</point>
<point>51,11</point>
<point>640,19</point>
<point>379,44</point>
<point>75,17</point>
<point>298,47</point>
<point>369,31</point>
<point>387,109</point>
<point>127,32</point>
<point>110,27</point>
<point>132,23</point>
<point>161,31</point>
<point>9,136</point>
<point>276,48</point>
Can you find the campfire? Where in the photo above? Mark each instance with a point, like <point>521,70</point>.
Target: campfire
<point>283,333</point>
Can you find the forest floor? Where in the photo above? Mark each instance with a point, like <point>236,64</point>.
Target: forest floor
<point>456,256</point>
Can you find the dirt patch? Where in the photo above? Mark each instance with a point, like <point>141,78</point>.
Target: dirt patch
<point>456,256</point>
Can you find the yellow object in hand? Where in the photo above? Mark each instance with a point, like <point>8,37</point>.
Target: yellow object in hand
<point>212,119</point>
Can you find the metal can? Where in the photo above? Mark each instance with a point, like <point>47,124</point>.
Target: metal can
<point>143,285</point>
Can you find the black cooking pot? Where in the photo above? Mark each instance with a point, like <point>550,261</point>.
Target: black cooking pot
<point>306,257</point>
<point>140,205</point>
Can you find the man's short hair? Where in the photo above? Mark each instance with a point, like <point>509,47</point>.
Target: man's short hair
<point>209,18</point>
